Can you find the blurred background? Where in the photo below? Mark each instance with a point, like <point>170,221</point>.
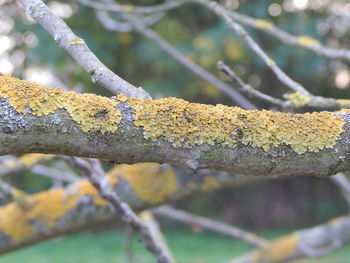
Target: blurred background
<point>28,52</point>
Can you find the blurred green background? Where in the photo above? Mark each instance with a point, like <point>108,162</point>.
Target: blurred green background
<point>27,51</point>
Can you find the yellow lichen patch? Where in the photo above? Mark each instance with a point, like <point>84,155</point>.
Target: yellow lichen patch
<point>86,188</point>
<point>127,8</point>
<point>298,99</point>
<point>307,41</point>
<point>263,24</point>
<point>187,124</point>
<point>146,216</point>
<point>28,160</point>
<point>90,111</point>
<point>46,207</point>
<point>149,181</point>
<point>277,250</point>
<point>76,41</point>
<point>270,62</point>
<point>210,183</point>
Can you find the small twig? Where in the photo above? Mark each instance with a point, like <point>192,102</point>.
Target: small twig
<point>55,173</point>
<point>149,220</point>
<point>79,51</point>
<point>93,171</point>
<point>114,7</point>
<point>247,88</point>
<point>242,33</point>
<point>305,42</point>
<point>113,25</point>
<point>210,224</point>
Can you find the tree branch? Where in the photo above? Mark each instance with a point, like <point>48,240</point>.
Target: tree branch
<point>79,51</point>
<point>37,119</point>
<point>213,225</point>
<point>62,210</point>
<point>95,175</point>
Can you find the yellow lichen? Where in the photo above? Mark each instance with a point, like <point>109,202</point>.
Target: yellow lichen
<point>263,24</point>
<point>149,181</point>
<point>307,41</point>
<point>270,62</point>
<point>298,99</point>
<point>127,8</point>
<point>187,124</point>
<point>46,208</point>
<point>277,250</point>
<point>209,183</point>
<point>90,111</point>
<point>86,188</point>
<point>28,160</point>
<point>76,41</point>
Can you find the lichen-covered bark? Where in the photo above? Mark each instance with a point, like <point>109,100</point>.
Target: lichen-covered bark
<point>61,210</point>
<point>315,241</point>
<point>37,119</point>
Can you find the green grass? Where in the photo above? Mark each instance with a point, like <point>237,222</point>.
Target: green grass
<point>106,247</point>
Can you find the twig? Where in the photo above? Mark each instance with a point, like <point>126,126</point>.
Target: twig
<point>93,171</point>
<point>289,39</point>
<point>113,25</point>
<point>113,7</point>
<point>247,88</point>
<point>241,32</point>
<point>55,173</point>
<point>79,51</point>
<point>152,224</point>
<point>175,54</point>
<point>210,224</point>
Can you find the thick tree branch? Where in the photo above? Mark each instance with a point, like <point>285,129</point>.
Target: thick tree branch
<point>38,119</point>
<point>62,210</point>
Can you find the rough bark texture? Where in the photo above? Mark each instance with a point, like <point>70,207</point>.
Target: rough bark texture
<point>38,119</point>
